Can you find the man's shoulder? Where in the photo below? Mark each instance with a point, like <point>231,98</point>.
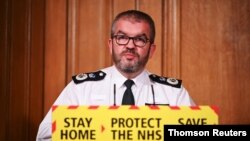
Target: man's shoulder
<point>89,76</point>
<point>169,81</point>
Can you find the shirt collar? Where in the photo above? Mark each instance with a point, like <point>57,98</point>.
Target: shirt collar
<point>119,79</point>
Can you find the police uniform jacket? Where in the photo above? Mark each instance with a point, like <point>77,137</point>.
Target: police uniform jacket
<point>106,87</point>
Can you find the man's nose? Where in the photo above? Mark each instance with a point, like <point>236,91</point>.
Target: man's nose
<point>130,44</point>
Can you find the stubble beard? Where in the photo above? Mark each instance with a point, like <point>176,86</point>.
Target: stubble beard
<point>130,66</point>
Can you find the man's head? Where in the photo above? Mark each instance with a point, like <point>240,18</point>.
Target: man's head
<point>137,16</point>
<point>132,41</point>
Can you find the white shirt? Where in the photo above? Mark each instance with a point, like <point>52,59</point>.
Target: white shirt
<point>101,92</point>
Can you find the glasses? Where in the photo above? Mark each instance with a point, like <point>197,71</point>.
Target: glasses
<point>139,41</point>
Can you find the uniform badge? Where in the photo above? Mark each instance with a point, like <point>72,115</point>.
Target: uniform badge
<point>172,81</point>
<point>91,76</point>
<point>165,80</point>
<point>81,76</point>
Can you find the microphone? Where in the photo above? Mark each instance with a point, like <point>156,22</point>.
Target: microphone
<point>114,95</point>
<point>153,94</point>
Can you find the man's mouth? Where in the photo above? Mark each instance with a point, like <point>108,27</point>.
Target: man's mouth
<point>129,56</point>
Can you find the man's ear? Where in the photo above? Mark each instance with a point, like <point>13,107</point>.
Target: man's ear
<point>110,45</point>
<point>152,50</point>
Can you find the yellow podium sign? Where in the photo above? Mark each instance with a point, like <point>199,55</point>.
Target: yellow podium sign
<point>124,123</point>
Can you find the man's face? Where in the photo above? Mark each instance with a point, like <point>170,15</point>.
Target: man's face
<point>130,58</point>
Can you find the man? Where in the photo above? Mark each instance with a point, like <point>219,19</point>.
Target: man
<point>127,82</point>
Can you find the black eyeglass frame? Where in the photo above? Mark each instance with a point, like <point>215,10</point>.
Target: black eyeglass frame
<point>133,38</point>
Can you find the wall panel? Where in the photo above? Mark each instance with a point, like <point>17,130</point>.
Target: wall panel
<point>215,38</point>
<point>4,69</point>
<point>22,66</point>
<point>92,34</point>
<point>88,32</point>
<point>55,51</point>
<point>19,70</point>
<point>121,5</point>
<point>154,8</point>
<point>36,85</point>
<point>171,38</point>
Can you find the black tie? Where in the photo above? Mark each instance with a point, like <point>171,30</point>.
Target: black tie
<point>128,97</point>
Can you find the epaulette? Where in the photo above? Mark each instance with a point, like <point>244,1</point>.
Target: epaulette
<point>91,76</point>
<point>166,81</point>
